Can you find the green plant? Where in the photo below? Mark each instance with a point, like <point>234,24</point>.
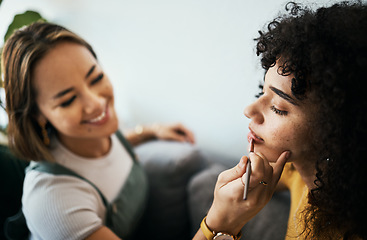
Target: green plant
<point>19,21</point>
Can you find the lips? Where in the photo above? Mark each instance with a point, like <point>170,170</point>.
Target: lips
<point>100,119</point>
<point>254,137</point>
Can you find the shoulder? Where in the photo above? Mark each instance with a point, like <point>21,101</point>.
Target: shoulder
<point>59,205</point>
<point>38,183</point>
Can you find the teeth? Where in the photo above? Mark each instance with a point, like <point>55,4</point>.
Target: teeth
<point>99,118</point>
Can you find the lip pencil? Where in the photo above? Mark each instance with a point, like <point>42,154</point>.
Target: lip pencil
<point>248,171</point>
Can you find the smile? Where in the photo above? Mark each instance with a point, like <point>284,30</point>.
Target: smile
<point>103,117</point>
<point>99,118</point>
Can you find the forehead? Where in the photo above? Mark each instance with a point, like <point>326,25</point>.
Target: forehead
<point>274,78</point>
<point>62,58</point>
<point>65,63</point>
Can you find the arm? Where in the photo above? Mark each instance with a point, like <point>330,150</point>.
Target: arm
<point>174,132</point>
<point>57,194</point>
<point>103,233</point>
<point>229,212</point>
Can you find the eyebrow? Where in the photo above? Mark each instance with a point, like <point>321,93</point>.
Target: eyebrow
<point>90,71</point>
<point>283,95</point>
<point>62,93</point>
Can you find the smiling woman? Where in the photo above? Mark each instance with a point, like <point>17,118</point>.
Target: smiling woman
<point>76,97</point>
<point>315,65</point>
<point>20,90</point>
<point>83,171</point>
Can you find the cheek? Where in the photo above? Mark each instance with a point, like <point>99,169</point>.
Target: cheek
<point>276,144</point>
<point>64,120</point>
<point>283,137</point>
<point>291,137</point>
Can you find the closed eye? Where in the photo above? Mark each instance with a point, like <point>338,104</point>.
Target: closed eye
<point>97,79</point>
<point>279,112</point>
<point>68,102</point>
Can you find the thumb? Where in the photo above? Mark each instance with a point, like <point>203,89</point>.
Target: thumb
<point>278,166</point>
<point>233,173</point>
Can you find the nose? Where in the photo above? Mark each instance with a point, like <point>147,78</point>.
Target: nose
<point>93,103</point>
<point>253,112</point>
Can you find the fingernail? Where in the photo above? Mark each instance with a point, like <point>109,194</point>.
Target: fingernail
<point>287,154</point>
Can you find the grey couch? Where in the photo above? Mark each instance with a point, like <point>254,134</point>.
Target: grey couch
<point>182,183</point>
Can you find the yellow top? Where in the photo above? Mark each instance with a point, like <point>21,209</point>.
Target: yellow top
<point>299,191</point>
<point>299,201</point>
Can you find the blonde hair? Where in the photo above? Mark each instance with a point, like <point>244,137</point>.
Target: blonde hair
<point>21,52</point>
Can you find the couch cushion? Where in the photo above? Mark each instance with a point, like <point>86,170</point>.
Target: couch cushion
<point>11,177</point>
<point>169,166</point>
<point>201,194</point>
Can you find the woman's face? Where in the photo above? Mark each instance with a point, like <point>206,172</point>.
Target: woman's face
<point>279,121</point>
<point>74,94</point>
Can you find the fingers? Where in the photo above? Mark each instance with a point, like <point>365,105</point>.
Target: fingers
<point>260,170</point>
<point>183,131</point>
<point>176,137</point>
<point>234,173</point>
<point>265,172</point>
<point>228,204</point>
<point>278,166</point>
<point>174,132</point>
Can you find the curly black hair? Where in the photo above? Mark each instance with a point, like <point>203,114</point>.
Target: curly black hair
<point>326,51</point>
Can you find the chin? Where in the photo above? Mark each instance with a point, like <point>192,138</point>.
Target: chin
<point>114,126</point>
<point>271,156</point>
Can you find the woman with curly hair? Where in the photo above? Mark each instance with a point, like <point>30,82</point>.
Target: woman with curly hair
<point>323,55</point>
<point>310,112</point>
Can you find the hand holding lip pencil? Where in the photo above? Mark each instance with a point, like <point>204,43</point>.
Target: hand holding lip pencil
<point>248,171</point>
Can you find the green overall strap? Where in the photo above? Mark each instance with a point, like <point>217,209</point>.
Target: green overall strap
<point>126,144</point>
<point>58,169</point>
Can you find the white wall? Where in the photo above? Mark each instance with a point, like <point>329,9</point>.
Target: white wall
<point>189,61</point>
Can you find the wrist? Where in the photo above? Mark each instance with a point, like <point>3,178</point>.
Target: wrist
<point>227,224</point>
<point>213,223</point>
<point>144,132</point>
<point>214,235</point>
<point>139,129</point>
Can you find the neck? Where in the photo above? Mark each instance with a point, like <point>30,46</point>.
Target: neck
<point>88,148</point>
<point>307,171</point>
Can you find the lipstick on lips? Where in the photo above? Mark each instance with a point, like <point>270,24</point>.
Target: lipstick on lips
<point>248,170</point>
<point>254,137</point>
